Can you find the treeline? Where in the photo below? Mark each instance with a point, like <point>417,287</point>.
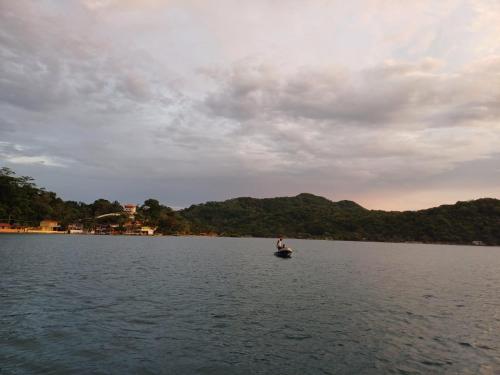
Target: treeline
<point>310,216</point>
<point>22,202</point>
<point>302,216</point>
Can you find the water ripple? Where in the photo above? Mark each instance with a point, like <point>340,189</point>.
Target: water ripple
<point>115,305</point>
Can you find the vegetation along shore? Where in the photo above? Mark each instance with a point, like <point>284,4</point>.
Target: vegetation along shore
<point>24,207</point>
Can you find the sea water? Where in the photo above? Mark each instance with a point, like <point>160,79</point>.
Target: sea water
<point>193,305</point>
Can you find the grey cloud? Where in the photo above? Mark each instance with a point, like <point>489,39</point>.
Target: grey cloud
<point>390,122</point>
<point>390,94</point>
<point>49,63</point>
<point>246,92</point>
<point>75,92</point>
<point>17,154</point>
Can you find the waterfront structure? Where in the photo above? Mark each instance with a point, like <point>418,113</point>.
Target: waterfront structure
<point>131,209</point>
<point>12,228</point>
<point>49,225</point>
<point>106,229</point>
<point>148,231</point>
<point>75,229</point>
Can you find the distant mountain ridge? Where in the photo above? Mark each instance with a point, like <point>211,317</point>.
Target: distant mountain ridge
<point>310,216</point>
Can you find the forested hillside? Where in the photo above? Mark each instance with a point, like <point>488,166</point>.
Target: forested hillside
<point>22,202</point>
<point>302,216</point>
<point>310,216</point>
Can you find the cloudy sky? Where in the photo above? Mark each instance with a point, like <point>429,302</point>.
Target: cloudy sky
<point>394,104</point>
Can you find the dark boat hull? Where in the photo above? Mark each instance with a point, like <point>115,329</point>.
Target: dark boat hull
<point>285,253</point>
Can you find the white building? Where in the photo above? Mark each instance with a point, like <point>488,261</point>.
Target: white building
<point>148,231</point>
<point>131,209</point>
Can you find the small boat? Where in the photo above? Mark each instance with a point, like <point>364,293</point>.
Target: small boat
<point>284,253</point>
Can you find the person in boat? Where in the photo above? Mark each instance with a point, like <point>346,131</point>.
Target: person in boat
<point>280,245</point>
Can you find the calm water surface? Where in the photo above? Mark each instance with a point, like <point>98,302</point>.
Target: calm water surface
<point>120,305</point>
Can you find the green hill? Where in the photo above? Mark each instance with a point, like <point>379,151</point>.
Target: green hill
<point>302,216</point>
<point>310,216</point>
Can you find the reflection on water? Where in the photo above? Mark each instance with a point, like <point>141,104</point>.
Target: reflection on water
<point>91,304</point>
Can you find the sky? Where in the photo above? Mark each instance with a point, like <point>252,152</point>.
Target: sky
<point>392,104</point>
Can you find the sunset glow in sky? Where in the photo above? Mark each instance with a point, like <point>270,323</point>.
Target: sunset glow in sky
<point>392,104</point>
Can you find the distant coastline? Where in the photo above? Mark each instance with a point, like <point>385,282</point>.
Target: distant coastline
<point>26,208</point>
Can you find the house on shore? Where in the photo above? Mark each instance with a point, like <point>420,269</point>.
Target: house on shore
<point>5,226</point>
<point>49,226</point>
<point>147,231</point>
<point>75,229</point>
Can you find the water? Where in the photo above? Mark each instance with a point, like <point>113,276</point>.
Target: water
<point>175,305</point>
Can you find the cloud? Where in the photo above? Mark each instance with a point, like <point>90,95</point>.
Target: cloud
<point>18,154</point>
<point>123,4</point>
<point>389,122</point>
<point>48,65</point>
<point>393,93</point>
<point>363,100</point>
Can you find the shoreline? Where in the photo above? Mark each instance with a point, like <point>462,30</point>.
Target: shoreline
<point>3,232</point>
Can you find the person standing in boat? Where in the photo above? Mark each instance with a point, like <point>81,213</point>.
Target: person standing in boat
<point>280,244</point>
